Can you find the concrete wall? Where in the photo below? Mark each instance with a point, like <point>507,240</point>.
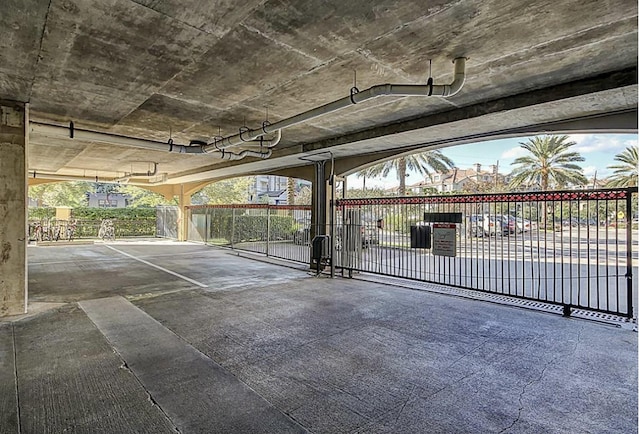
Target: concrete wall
<point>13,208</point>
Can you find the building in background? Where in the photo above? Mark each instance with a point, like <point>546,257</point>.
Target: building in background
<point>273,189</point>
<point>108,200</point>
<point>461,180</point>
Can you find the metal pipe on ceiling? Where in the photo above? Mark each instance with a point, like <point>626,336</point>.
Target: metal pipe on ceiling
<point>58,177</point>
<point>149,174</point>
<point>56,131</point>
<point>429,89</point>
<point>248,137</point>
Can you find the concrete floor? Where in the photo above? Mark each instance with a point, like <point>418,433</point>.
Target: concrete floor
<point>169,337</point>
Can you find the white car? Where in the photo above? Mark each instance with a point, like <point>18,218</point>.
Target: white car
<point>486,225</point>
<point>522,224</point>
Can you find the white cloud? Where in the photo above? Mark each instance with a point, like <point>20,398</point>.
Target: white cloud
<point>597,143</point>
<point>579,138</point>
<point>513,153</point>
<point>589,171</point>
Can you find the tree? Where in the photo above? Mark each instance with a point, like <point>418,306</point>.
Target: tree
<point>425,163</point>
<point>71,194</point>
<point>142,198</point>
<point>356,193</point>
<point>550,163</point>
<point>303,197</point>
<point>291,191</point>
<point>625,174</point>
<point>234,190</point>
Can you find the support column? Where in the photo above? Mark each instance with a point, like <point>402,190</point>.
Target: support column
<point>184,200</point>
<point>14,119</point>
<point>319,201</point>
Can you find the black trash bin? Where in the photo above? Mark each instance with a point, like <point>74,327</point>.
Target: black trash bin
<point>420,237</point>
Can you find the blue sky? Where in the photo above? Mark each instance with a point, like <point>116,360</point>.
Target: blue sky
<point>597,149</point>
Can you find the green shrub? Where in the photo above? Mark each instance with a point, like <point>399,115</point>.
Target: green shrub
<point>249,227</point>
<point>113,213</point>
<point>41,213</point>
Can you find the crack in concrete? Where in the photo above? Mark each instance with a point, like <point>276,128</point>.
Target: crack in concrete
<point>204,354</point>
<point>539,378</point>
<point>39,56</point>
<point>15,373</point>
<point>406,401</point>
<point>124,365</point>
<point>172,18</point>
<point>482,344</point>
<point>281,44</point>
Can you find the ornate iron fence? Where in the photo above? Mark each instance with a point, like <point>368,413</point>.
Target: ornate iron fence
<point>572,248</point>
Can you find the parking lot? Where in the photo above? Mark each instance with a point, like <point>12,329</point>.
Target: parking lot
<point>161,336</point>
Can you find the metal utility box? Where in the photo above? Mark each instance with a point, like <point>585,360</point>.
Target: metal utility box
<point>352,240</point>
<point>420,237</point>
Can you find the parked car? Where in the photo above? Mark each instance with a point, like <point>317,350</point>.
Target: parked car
<point>486,225</point>
<point>302,236</point>
<point>518,224</point>
<point>369,234</point>
<point>510,223</point>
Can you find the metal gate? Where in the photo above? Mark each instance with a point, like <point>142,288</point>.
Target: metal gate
<point>572,248</point>
<point>167,222</point>
<point>281,231</point>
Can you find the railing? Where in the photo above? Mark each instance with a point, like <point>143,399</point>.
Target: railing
<point>571,248</point>
<point>280,231</point>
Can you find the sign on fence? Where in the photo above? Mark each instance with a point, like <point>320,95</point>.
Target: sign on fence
<point>444,239</point>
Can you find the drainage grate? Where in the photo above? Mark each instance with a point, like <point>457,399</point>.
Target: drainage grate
<point>617,320</point>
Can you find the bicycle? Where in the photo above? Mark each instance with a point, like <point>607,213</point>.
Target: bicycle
<point>107,230</point>
<point>71,229</point>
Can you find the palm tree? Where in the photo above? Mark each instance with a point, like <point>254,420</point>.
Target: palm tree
<point>626,173</point>
<point>550,163</point>
<point>425,163</point>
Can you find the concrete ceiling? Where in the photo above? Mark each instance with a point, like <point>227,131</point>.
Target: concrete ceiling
<point>194,69</point>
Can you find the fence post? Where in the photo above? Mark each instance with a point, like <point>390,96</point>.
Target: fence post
<point>268,227</point>
<point>629,274</point>
<point>233,225</point>
<point>206,225</point>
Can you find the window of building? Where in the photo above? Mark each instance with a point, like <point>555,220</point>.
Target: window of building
<point>103,203</point>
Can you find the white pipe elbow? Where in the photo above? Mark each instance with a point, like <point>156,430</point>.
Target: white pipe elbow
<point>458,76</point>
<point>276,139</point>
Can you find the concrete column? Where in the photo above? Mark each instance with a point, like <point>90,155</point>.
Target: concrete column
<point>184,200</point>
<point>14,120</point>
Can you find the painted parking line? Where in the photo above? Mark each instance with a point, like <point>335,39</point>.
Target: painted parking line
<point>195,282</point>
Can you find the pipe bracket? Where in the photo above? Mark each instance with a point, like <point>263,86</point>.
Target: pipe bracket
<point>244,130</point>
<point>354,90</point>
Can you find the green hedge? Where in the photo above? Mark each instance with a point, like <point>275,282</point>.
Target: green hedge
<point>123,228</point>
<point>128,222</point>
<point>113,213</point>
<point>41,213</point>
